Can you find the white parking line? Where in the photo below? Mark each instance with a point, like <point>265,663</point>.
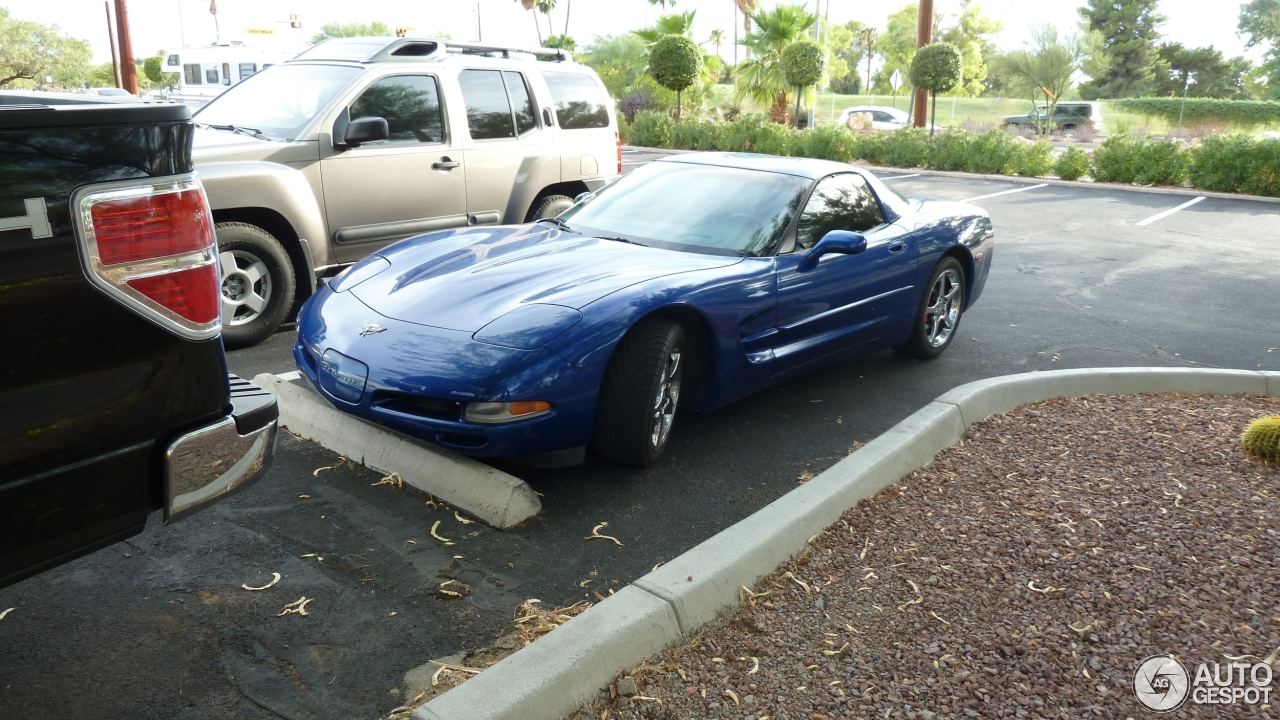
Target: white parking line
<point>900,177</point>
<point>1007,192</point>
<point>1169,212</point>
<point>289,376</point>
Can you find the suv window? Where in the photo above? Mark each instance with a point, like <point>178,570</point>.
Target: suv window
<point>211,75</point>
<point>579,104</point>
<point>409,103</point>
<point>191,73</point>
<point>488,107</point>
<point>840,202</point>
<point>247,69</point>
<point>521,100</point>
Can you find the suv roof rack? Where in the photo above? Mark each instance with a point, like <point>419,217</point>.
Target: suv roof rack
<point>383,49</point>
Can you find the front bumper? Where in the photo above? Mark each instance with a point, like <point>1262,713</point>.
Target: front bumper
<point>206,465</point>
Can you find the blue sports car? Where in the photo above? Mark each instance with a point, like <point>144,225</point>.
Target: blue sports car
<point>689,283</point>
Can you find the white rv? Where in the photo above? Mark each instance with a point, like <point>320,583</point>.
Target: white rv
<point>204,73</point>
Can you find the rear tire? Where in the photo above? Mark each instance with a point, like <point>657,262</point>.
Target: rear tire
<point>551,206</point>
<point>257,283</point>
<point>636,406</point>
<point>938,317</point>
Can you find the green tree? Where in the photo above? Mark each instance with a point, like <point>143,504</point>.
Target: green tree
<point>153,69</point>
<point>564,42</point>
<point>663,3</point>
<point>803,63</point>
<point>328,31</point>
<point>1213,75</point>
<point>30,51</point>
<point>760,78</point>
<point>619,60</point>
<point>1130,30</point>
<point>1045,69</point>
<point>1260,20</point>
<point>972,35</point>
<point>936,68</point>
<point>677,24</point>
<point>675,61</point>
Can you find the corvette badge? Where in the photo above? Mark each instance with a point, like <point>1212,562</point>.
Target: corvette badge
<point>370,329</point>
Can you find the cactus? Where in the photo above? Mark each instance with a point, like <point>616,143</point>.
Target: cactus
<point>1262,438</point>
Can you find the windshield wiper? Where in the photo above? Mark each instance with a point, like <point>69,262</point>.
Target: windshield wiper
<point>557,222</point>
<point>621,240</point>
<point>253,132</point>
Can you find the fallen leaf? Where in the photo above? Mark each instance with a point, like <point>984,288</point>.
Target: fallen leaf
<point>316,472</point>
<point>6,612</point>
<point>444,540</point>
<point>304,497</point>
<point>755,666</point>
<point>298,607</point>
<point>274,579</point>
<point>595,535</point>
<point>463,520</point>
<point>392,479</point>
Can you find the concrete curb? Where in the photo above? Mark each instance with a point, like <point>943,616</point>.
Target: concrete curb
<point>490,495</point>
<point>546,680</point>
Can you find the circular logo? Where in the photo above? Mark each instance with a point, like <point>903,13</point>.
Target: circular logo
<point>1161,683</point>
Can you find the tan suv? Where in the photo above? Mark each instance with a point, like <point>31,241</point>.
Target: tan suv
<point>357,142</point>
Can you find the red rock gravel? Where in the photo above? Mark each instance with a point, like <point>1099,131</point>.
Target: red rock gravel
<point>1025,573</point>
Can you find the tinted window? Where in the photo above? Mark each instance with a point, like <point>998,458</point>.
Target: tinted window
<point>579,102</point>
<point>247,69</point>
<point>840,202</point>
<point>172,61</point>
<point>191,73</point>
<point>521,101</point>
<point>211,75</point>
<point>226,73</point>
<point>488,109</point>
<point>409,103</point>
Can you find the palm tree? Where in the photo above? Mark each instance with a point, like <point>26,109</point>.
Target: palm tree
<point>529,5</point>
<point>746,7</point>
<point>568,8</point>
<point>760,77</point>
<point>716,39</point>
<point>545,7</point>
<point>678,24</point>
<point>663,3</point>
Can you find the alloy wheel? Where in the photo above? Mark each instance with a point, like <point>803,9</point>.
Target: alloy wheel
<point>664,406</point>
<point>942,314</point>
<point>246,287</point>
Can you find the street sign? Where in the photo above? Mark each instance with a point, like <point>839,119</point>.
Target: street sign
<point>895,80</point>
<point>259,31</point>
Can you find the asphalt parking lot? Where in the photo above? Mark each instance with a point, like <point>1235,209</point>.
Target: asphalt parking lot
<point>160,627</point>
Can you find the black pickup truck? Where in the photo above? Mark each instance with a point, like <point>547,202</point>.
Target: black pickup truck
<point>115,399</point>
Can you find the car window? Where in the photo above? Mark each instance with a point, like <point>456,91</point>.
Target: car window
<point>521,101</point>
<point>191,73</point>
<point>226,73</point>
<point>279,100</point>
<point>839,202</point>
<point>488,107</point>
<point>882,117</point>
<point>211,76</point>
<point>409,103</point>
<point>247,69</point>
<point>579,102</point>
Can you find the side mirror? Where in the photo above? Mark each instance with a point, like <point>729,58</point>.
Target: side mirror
<point>366,129</point>
<point>845,242</point>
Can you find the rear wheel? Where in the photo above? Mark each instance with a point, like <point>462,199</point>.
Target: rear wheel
<point>551,206</point>
<point>257,283</point>
<point>638,396</point>
<point>939,314</point>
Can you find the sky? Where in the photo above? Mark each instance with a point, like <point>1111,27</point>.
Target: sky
<point>157,24</point>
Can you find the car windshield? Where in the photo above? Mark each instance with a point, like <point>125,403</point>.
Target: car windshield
<point>278,101</point>
<point>693,208</point>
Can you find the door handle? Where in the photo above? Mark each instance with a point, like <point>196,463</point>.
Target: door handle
<point>445,164</point>
<point>897,247</point>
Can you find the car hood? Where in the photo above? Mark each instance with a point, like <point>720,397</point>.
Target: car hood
<point>209,146</point>
<point>465,279</point>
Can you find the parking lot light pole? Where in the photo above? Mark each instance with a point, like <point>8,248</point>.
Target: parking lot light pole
<point>1191,78</point>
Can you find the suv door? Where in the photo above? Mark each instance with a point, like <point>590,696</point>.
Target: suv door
<point>841,300</point>
<point>412,182</point>
<point>506,144</point>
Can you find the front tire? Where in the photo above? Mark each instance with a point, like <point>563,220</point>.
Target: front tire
<point>257,283</point>
<point>938,317</point>
<point>639,394</point>
<point>551,206</point>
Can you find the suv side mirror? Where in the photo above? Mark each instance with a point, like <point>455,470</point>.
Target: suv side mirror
<point>366,129</point>
<point>845,242</point>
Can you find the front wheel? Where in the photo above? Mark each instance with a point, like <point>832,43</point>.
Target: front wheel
<point>939,314</point>
<point>551,206</point>
<point>257,283</point>
<point>636,407</point>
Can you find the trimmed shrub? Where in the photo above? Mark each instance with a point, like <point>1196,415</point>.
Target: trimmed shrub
<point>994,152</point>
<point>652,129</point>
<point>696,135</point>
<point>907,148</point>
<point>1072,164</point>
<point>1035,160</point>
<point>950,150</point>
<point>1123,160</point>
<point>828,143</point>
<point>1248,113</point>
<point>1113,160</point>
<point>1237,163</point>
<point>754,133</point>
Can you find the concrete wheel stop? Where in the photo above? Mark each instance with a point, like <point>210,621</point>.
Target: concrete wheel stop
<point>488,494</point>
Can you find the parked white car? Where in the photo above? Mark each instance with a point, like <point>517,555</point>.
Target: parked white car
<point>882,117</point>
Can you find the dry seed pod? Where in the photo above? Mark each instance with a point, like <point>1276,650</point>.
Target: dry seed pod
<point>1262,438</point>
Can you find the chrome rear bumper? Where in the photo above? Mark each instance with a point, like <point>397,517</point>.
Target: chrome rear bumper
<point>208,464</point>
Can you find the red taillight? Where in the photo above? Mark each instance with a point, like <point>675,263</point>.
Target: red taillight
<point>192,294</point>
<point>617,139</point>
<point>150,246</point>
<point>152,226</point>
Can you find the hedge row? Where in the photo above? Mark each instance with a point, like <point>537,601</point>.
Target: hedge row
<point>1244,113</point>
<point>1221,163</point>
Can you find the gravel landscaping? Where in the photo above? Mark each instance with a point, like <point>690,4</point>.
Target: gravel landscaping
<point>1026,572</point>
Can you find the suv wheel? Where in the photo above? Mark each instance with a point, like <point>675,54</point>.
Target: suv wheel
<point>551,206</point>
<point>257,283</point>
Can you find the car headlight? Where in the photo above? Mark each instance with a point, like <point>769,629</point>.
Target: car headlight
<point>492,413</point>
<point>528,327</point>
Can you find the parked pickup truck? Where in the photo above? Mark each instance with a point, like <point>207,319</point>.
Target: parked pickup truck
<point>114,395</point>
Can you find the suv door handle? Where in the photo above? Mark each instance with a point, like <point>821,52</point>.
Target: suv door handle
<point>445,164</point>
<point>897,247</point>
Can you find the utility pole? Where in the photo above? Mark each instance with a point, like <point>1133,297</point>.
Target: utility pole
<point>924,36</point>
<point>479,29</point>
<point>128,68</point>
<point>182,26</point>
<point>111,35</point>
<point>817,37</point>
